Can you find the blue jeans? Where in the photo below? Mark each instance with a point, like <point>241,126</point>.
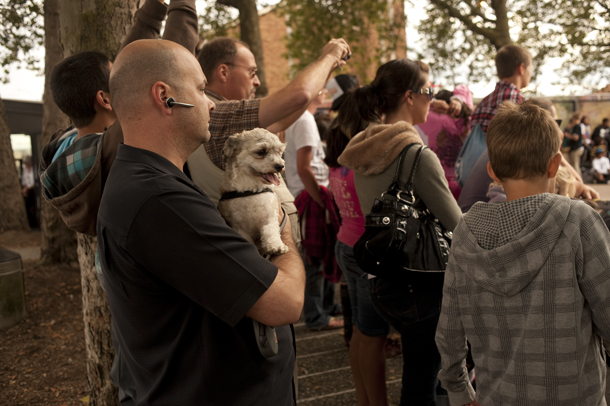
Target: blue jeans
<point>364,315</point>
<point>319,295</point>
<point>414,313</point>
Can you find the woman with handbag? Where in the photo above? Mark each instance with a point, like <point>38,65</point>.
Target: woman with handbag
<point>393,103</point>
<point>366,348</point>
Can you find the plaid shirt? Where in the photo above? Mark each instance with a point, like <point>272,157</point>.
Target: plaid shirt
<point>228,118</point>
<point>486,110</point>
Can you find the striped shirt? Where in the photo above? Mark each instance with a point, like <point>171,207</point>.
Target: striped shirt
<point>487,108</point>
<point>228,118</point>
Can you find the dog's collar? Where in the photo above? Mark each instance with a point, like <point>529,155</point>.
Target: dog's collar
<point>234,194</point>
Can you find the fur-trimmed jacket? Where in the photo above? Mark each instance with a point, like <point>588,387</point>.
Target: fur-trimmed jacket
<point>372,155</point>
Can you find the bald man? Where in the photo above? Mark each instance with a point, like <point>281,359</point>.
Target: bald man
<point>181,284</point>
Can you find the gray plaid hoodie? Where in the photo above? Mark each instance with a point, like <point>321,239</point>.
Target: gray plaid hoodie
<point>528,284</point>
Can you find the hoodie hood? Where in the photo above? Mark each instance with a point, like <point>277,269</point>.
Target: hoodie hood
<point>374,149</point>
<point>503,246</point>
<point>72,182</point>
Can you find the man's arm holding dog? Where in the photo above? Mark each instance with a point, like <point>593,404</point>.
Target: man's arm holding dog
<point>294,98</point>
<point>282,303</point>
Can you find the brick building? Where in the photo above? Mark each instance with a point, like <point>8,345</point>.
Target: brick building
<point>274,32</point>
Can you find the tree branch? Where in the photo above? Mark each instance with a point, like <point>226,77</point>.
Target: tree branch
<point>230,3</point>
<point>476,11</point>
<point>604,6</point>
<point>454,12</point>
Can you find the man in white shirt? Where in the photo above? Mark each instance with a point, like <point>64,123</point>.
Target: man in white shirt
<point>306,171</point>
<point>601,166</point>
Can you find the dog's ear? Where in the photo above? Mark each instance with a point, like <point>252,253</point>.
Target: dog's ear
<point>230,149</point>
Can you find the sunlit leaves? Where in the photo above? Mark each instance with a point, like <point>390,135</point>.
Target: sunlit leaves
<point>21,29</point>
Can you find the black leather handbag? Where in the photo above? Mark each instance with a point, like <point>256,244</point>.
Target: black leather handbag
<point>400,239</point>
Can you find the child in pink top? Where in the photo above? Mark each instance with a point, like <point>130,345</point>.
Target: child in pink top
<point>367,345</point>
<point>344,192</point>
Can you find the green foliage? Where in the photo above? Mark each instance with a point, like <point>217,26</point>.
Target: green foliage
<point>216,19</point>
<point>314,22</point>
<point>578,30</point>
<point>21,30</point>
<point>584,39</point>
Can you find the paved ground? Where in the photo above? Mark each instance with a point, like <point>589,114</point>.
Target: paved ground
<point>324,374</point>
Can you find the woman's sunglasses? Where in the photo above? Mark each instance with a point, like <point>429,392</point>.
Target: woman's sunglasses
<point>427,91</point>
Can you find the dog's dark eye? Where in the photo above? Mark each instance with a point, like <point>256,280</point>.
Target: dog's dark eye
<point>261,152</point>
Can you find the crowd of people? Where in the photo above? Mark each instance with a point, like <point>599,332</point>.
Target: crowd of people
<point>524,298</point>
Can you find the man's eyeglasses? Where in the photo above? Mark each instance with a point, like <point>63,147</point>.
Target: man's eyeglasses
<point>252,71</point>
<point>427,91</point>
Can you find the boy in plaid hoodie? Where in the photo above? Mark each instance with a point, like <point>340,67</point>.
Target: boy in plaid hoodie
<point>528,280</point>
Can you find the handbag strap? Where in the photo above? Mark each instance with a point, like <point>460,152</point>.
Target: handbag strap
<point>401,157</point>
<point>409,184</point>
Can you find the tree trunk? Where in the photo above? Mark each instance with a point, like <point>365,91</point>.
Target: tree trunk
<point>58,241</point>
<point>249,33</point>
<point>12,206</point>
<point>97,25</point>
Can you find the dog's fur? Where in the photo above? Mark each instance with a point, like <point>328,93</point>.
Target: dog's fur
<point>253,162</point>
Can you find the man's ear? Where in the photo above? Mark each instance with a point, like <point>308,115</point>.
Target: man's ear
<point>103,99</point>
<point>222,72</point>
<point>159,92</point>
<point>492,174</point>
<point>554,164</point>
<point>521,69</point>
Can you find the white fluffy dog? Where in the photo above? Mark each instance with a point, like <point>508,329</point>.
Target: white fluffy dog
<point>253,161</point>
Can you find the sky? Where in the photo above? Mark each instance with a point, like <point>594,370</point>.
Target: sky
<point>29,85</point>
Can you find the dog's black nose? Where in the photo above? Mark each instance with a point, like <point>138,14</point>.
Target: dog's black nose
<point>279,167</point>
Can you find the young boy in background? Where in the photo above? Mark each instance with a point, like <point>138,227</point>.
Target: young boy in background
<point>528,280</point>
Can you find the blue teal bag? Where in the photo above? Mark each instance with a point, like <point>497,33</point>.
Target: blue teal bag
<point>472,149</point>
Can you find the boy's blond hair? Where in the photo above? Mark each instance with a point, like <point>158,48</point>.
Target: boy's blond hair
<point>521,140</point>
<point>509,58</point>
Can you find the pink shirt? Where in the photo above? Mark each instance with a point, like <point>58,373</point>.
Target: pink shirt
<point>344,192</point>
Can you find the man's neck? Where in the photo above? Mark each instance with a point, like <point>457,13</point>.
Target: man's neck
<point>216,89</point>
<point>515,80</point>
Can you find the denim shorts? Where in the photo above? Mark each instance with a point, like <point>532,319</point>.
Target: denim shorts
<point>364,315</point>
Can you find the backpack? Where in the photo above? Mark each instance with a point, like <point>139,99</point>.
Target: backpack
<point>471,151</point>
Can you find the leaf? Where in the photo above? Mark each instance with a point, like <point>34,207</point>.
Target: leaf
<point>85,399</point>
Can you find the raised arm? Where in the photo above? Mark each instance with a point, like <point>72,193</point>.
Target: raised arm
<point>148,21</point>
<point>182,26</point>
<point>279,110</point>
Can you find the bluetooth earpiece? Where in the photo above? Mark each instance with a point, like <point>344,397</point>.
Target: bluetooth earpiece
<point>171,102</point>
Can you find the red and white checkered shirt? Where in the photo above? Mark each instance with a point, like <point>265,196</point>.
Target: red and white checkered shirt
<point>487,108</point>
<point>228,118</point>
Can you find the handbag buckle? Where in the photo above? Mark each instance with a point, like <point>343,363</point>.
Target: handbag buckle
<point>410,199</point>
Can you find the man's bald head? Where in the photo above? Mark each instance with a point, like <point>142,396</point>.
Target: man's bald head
<point>139,66</point>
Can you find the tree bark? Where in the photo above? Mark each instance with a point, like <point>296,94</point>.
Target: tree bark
<point>98,25</point>
<point>12,206</point>
<point>58,241</point>
<point>249,33</point>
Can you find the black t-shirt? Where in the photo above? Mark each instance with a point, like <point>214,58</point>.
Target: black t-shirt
<point>179,283</point>
<point>575,130</point>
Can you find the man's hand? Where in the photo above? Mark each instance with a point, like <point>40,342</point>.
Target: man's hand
<point>337,48</point>
<point>455,108</point>
<point>439,106</point>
